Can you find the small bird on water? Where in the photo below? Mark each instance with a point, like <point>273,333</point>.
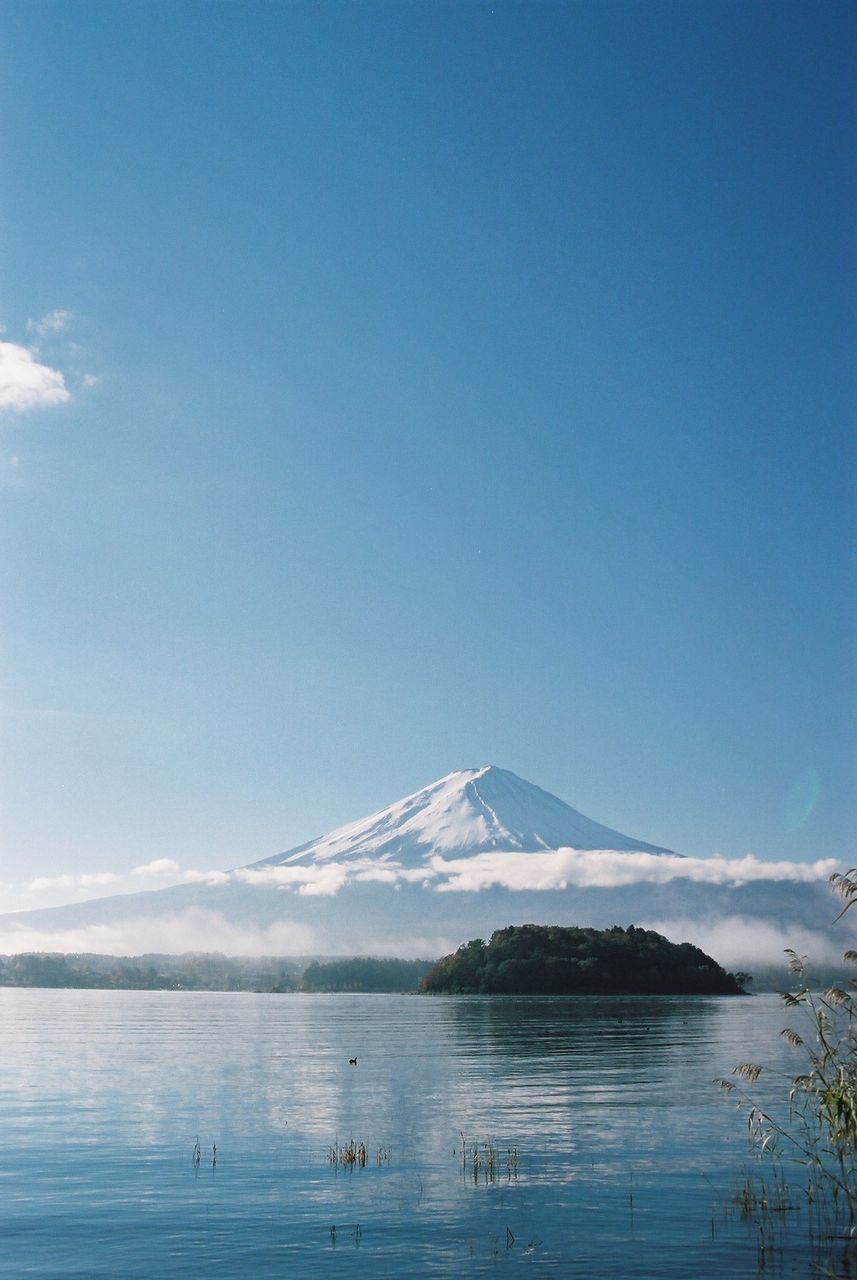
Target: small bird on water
<point>352,1062</point>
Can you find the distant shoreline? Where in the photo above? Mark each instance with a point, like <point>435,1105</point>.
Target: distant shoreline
<point>279,975</point>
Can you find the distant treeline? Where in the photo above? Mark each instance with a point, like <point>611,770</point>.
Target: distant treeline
<point>364,974</point>
<point>206,972</point>
<point>522,960</point>
<point>550,960</point>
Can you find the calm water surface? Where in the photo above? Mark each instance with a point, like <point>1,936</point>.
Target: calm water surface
<point>628,1158</point>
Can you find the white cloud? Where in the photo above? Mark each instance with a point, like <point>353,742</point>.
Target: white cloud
<point>207,877</point>
<point>68,887</point>
<point>192,930</point>
<point>27,384</point>
<point>324,879</point>
<point>54,322</point>
<point>736,941</point>
<point>278,877</point>
<point>200,929</point>
<point>90,380</point>
<point>544,871</point>
<point>383,873</point>
<point>518,872</point>
<point>329,880</point>
<point>312,880</point>
<point>605,869</point>
<point>51,882</point>
<point>86,880</point>
<point>158,867</point>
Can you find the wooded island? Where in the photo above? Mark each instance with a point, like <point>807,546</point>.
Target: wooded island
<point>533,959</point>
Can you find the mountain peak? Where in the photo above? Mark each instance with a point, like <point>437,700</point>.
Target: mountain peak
<point>466,812</point>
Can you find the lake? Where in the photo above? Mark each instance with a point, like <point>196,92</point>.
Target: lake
<point>603,1148</point>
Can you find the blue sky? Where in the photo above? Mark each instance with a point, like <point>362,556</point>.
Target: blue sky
<point>395,388</point>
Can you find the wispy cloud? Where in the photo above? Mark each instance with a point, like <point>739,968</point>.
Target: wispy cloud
<point>193,930</point>
<point>207,877</point>
<point>316,880</point>
<point>54,322</point>
<point>85,880</point>
<point>324,879</point>
<point>747,940</point>
<point>736,941</point>
<point>545,871</point>
<point>27,384</point>
<point>29,380</point>
<point>157,867</point>
<point>606,869</point>
<point>201,929</point>
<point>11,472</point>
<point>520,872</point>
<point>72,887</point>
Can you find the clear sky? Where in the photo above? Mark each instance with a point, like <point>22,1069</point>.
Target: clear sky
<point>392,388</point>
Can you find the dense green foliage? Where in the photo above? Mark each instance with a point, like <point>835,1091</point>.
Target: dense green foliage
<point>365,973</point>
<point>550,960</point>
<point>207,972</point>
<point>191,972</point>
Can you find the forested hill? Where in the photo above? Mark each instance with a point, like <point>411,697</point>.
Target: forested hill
<point>535,959</point>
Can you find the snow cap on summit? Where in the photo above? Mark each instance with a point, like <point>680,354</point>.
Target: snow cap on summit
<point>466,812</point>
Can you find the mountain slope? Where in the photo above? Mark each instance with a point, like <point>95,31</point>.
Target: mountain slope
<point>470,853</point>
<point>468,812</point>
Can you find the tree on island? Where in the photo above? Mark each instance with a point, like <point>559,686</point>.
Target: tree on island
<point>532,959</point>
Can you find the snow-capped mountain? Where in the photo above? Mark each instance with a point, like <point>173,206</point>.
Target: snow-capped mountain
<point>475,851</point>
<point>468,812</point>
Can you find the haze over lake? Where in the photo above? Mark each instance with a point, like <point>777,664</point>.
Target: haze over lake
<point>615,1153</point>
